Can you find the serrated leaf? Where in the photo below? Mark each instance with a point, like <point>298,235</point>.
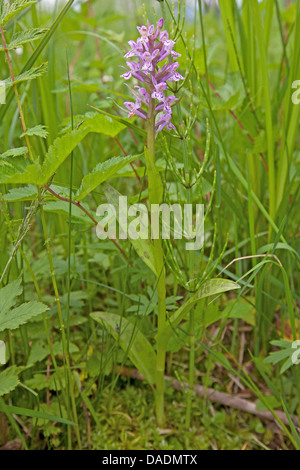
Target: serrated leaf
<point>20,315</point>
<point>23,37</point>
<point>17,152</point>
<point>30,74</point>
<point>23,193</point>
<point>101,173</point>
<point>63,146</point>
<point>39,131</point>
<point>132,341</point>
<point>8,295</point>
<point>11,9</point>
<point>18,170</point>
<point>8,380</point>
<point>11,319</point>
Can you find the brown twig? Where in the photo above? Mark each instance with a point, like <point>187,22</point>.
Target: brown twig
<point>215,396</point>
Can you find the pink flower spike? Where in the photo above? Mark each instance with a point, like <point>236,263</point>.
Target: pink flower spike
<point>154,63</point>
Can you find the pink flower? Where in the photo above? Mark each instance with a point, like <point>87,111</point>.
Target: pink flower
<point>153,48</point>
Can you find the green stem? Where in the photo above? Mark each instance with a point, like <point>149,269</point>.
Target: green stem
<point>155,197</point>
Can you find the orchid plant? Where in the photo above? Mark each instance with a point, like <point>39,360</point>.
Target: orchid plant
<point>155,66</point>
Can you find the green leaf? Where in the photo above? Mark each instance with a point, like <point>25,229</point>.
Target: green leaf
<point>23,37</point>
<point>11,9</point>
<point>144,248</point>
<point>209,288</point>
<point>240,308</point>
<point>17,152</point>
<point>286,352</point>
<point>39,131</point>
<point>20,315</point>
<point>132,341</point>
<point>101,173</point>
<point>8,295</point>
<point>11,319</point>
<point>33,414</point>
<point>30,74</point>
<point>23,193</point>
<point>63,146</point>
<point>8,380</point>
<point>18,170</point>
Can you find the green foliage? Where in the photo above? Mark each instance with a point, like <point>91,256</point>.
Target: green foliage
<point>63,146</point>
<point>102,172</point>
<point>30,74</point>
<point>8,10</point>
<point>132,341</point>
<point>19,39</point>
<point>285,352</point>
<point>39,131</point>
<point>8,380</point>
<point>12,318</point>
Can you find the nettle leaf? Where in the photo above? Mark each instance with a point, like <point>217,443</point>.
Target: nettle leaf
<point>63,146</point>
<point>144,248</point>
<point>132,341</point>
<point>21,171</point>
<point>39,131</point>
<point>18,170</point>
<point>30,74</point>
<point>9,294</point>
<point>101,173</point>
<point>8,380</point>
<point>24,37</point>
<point>20,315</point>
<point>23,193</point>
<point>209,288</point>
<point>13,318</point>
<point>17,152</point>
<point>11,9</point>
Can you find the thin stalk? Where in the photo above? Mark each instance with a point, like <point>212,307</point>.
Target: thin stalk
<point>155,198</point>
